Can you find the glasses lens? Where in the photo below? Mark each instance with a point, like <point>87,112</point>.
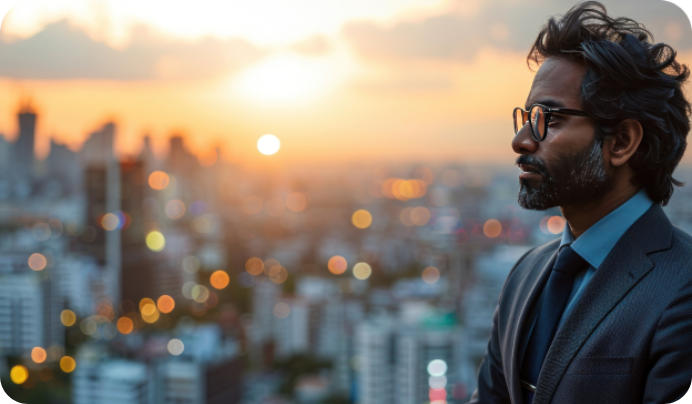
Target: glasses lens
<point>519,120</point>
<point>538,122</point>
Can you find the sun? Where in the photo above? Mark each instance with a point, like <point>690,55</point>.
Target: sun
<point>268,144</point>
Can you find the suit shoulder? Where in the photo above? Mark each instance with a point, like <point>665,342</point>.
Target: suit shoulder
<point>547,248</point>
<point>682,238</point>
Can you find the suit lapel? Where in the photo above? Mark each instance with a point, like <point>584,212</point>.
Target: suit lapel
<point>626,264</point>
<point>534,282</point>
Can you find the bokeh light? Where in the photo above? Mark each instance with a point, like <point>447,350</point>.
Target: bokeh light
<point>252,205</point>
<point>437,367</point>
<point>165,304</point>
<point>492,228</point>
<point>155,241</point>
<point>424,174</point>
<point>219,279</point>
<point>88,326</point>
<point>420,216</point>
<point>296,202</point>
<point>125,325</point>
<point>362,271</point>
<point>67,364</point>
<point>41,231</point>
<point>278,274</point>
<point>362,219</point>
<point>405,217</point>
<point>281,310</point>
<point>254,266</point>
<point>270,264</point>
<point>556,224</point>
<point>202,224</point>
<point>175,209</point>
<point>268,144</point>
<point>37,262</point>
<point>144,302</point>
<point>150,314</point>
<point>110,222</point>
<point>68,318</point>
<point>38,355</point>
<point>191,264</point>
<point>19,374</point>
<point>175,347</point>
<point>200,293</point>
<point>337,265</point>
<point>148,309</point>
<point>158,180</point>
<point>431,275</point>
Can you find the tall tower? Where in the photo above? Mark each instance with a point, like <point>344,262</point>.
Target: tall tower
<point>24,148</point>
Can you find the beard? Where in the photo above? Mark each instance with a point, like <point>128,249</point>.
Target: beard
<point>575,179</point>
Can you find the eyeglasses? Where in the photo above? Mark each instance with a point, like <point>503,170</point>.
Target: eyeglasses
<point>538,117</point>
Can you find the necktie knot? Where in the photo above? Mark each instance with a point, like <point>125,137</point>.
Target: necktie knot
<point>569,262</point>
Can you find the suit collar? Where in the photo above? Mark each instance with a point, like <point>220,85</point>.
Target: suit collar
<point>626,264</point>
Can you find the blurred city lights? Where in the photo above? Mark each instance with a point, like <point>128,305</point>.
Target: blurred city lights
<point>56,227</point>
<point>125,325</point>
<point>254,266</point>
<point>148,309</point>
<point>37,262</point>
<point>191,264</point>
<point>361,219</point>
<point>219,279</point>
<point>165,304</point>
<point>268,144</point>
<point>38,355</point>
<point>275,207</point>
<point>431,275</point>
<point>158,180</point>
<point>281,310</point>
<point>403,190</point>
<point>200,293</point>
<point>362,271</point>
<point>144,302</point>
<point>405,216</point>
<point>110,222</point>
<point>187,290</point>
<point>278,274</point>
<point>437,382</point>
<point>109,331</point>
<point>437,367</point>
<point>19,374</point>
<point>556,224</point>
<point>175,347</point>
<point>492,228</point>
<point>270,264</point>
<point>68,318</point>
<point>155,241</point>
<point>88,326</point>
<point>337,265</point>
<point>202,224</point>
<point>420,216</point>
<point>150,314</point>
<point>424,174</point>
<point>175,209</point>
<point>297,202</point>
<point>67,364</point>
<point>41,231</point>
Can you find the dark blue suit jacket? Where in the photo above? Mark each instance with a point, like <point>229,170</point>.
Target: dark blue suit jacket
<point>628,339</point>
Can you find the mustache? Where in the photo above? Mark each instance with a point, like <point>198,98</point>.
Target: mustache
<point>533,161</point>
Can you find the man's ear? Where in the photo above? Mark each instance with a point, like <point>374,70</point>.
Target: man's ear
<point>624,143</point>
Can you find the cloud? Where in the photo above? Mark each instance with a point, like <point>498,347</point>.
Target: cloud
<point>61,51</point>
<point>500,24</point>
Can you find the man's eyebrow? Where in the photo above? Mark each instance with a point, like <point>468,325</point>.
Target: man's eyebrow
<point>548,102</point>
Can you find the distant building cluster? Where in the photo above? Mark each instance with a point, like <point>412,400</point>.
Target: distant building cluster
<point>167,281</point>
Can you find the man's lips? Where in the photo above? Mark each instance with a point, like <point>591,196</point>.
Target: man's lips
<point>528,171</point>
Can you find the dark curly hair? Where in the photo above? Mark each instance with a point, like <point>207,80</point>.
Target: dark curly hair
<point>628,76</point>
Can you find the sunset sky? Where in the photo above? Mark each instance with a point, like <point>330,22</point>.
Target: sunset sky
<point>335,81</point>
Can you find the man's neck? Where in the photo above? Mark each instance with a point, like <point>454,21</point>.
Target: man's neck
<point>581,217</point>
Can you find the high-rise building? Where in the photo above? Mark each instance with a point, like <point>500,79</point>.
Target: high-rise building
<point>375,351</point>
<point>112,381</point>
<point>24,147</point>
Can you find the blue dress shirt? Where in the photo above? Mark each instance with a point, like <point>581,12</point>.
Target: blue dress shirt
<point>594,245</point>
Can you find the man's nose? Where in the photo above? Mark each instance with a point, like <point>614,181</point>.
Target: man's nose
<point>523,142</point>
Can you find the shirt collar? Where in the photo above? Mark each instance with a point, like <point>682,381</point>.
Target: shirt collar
<point>597,241</point>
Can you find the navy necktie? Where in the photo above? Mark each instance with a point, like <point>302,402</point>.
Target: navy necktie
<point>555,297</point>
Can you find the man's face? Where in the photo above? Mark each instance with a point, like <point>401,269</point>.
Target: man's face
<point>566,168</point>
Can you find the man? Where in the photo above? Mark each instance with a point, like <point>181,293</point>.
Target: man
<point>604,314</point>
